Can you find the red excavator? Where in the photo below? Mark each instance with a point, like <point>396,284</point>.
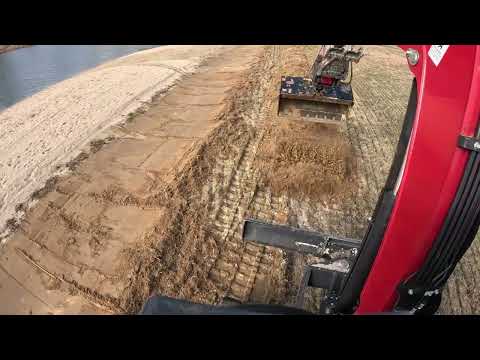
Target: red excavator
<point>426,216</point>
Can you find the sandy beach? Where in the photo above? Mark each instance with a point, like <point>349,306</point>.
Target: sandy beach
<point>42,132</point>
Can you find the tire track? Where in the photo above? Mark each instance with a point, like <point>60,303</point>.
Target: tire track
<point>234,269</point>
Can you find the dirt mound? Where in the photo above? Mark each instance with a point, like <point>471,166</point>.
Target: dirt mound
<point>306,160</point>
<point>297,61</point>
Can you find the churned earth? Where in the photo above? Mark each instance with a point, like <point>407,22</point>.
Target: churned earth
<point>131,199</point>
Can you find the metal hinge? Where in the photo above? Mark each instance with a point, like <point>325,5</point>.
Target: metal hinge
<point>469,143</point>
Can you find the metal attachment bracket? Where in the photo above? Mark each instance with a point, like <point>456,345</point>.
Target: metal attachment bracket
<point>294,239</point>
<point>321,277</point>
<point>469,143</point>
<point>329,275</point>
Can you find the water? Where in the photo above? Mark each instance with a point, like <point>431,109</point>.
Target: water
<point>25,71</point>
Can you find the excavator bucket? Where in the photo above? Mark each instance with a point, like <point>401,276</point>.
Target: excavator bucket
<point>298,101</point>
<point>326,96</point>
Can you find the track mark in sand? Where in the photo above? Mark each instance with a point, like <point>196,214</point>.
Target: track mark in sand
<point>153,152</point>
<point>237,265</point>
<point>80,267</point>
<point>253,281</point>
<point>74,223</point>
<point>206,262</point>
<point>227,222</point>
<point>119,197</point>
<point>102,301</point>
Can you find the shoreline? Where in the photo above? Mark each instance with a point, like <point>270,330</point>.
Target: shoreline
<point>41,134</point>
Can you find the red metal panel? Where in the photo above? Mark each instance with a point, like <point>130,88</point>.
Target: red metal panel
<point>448,105</point>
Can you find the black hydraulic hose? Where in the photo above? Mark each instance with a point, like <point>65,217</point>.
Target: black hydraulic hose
<point>457,246</point>
<point>470,221</point>
<point>460,216</point>
<point>455,220</point>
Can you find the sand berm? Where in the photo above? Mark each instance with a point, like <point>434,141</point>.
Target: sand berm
<point>40,133</point>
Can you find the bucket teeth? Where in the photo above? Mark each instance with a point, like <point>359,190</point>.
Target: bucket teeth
<point>300,100</point>
<point>312,111</point>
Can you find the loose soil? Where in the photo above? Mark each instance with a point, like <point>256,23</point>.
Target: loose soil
<point>306,160</point>
<point>159,207</point>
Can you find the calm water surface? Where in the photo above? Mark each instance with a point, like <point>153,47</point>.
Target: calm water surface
<point>25,71</point>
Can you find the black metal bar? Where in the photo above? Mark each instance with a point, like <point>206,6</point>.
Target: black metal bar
<point>294,239</point>
<point>326,278</point>
<point>321,278</point>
